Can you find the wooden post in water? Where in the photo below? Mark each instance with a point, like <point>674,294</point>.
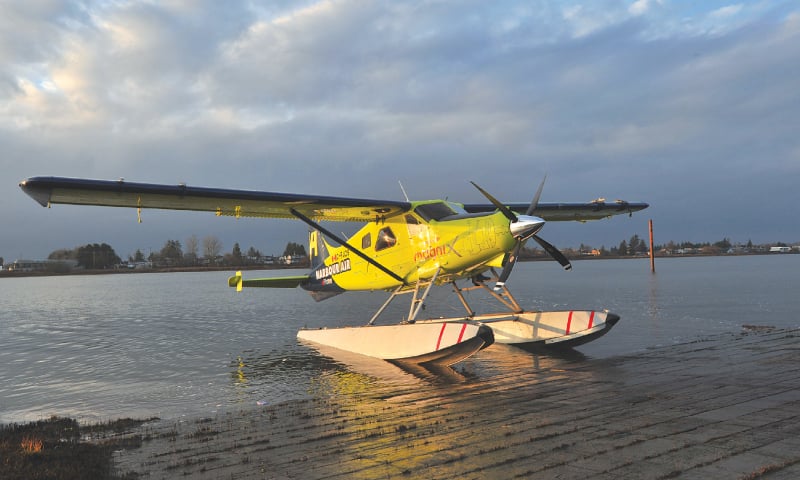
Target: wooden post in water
<point>652,253</point>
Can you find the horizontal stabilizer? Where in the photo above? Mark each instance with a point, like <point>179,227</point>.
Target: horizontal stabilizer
<point>278,282</point>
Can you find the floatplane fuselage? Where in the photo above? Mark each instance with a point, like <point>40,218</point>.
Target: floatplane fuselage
<point>435,238</point>
<point>403,247</point>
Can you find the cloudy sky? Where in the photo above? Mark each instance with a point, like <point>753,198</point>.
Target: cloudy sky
<point>693,109</point>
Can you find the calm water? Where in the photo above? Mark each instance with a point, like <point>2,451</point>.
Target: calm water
<point>101,347</point>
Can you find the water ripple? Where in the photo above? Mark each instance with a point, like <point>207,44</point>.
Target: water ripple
<point>100,347</point>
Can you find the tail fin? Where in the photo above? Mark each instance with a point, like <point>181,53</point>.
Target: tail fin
<point>317,249</point>
<point>321,287</point>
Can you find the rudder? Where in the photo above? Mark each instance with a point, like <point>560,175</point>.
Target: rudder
<point>317,249</point>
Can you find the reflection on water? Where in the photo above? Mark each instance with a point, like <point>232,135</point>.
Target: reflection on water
<point>568,354</point>
<point>436,374</point>
<point>100,347</point>
<point>653,309</point>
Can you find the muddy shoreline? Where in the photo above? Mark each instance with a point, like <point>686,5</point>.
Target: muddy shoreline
<point>727,406</point>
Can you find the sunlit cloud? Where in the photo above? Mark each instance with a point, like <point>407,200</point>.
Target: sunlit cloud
<point>353,94</point>
<point>726,11</point>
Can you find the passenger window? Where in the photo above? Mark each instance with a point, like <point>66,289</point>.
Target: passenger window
<point>366,241</point>
<point>385,239</point>
<point>411,220</point>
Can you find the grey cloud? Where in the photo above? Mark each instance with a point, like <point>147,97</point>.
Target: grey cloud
<point>345,98</point>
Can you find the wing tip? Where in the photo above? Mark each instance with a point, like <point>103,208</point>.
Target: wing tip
<point>37,192</point>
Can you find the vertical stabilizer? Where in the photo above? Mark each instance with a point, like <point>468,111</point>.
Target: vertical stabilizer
<point>317,249</point>
<point>320,285</point>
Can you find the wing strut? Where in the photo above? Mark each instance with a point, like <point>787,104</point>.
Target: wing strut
<point>344,243</point>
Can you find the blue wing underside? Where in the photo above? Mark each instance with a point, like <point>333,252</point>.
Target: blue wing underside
<point>247,203</point>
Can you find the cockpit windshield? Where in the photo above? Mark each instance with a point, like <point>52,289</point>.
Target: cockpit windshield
<point>436,211</point>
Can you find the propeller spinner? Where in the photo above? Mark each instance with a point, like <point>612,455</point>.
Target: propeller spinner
<point>523,227</point>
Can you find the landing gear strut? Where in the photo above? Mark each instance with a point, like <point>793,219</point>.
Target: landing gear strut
<point>422,289</point>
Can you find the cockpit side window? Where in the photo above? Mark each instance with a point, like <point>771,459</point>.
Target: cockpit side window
<point>366,241</point>
<point>434,211</point>
<point>385,239</point>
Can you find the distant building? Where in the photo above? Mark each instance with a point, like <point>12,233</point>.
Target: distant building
<point>292,259</point>
<point>262,260</point>
<point>41,265</point>
<point>780,249</point>
<point>26,266</point>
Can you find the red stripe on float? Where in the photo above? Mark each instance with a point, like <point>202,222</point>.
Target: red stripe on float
<point>441,333</point>
<point>461,335</point>
<point>569,322</point>
<point>591,319</point>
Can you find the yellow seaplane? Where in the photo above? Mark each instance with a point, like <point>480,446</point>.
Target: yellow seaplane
<point>404,247</point>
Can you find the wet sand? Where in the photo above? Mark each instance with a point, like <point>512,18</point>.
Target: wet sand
<point>721,407</point>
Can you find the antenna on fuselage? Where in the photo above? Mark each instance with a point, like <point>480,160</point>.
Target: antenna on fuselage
<point>404,190</point>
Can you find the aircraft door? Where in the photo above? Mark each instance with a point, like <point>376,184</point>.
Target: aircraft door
<point>417,233</point>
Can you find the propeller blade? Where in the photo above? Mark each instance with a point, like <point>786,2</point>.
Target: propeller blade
<point>506,211</point>
<point>525,229</point>
<point>553,251</point>
<point>535,200</point>
<point>508,267</point>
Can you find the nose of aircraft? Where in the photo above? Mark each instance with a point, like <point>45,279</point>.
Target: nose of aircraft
<point>525,226</point>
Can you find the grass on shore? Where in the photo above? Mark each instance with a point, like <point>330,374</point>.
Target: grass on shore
<point>60,449</point>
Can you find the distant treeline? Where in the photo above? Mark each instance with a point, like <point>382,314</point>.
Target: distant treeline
<point>208,253</point>
<point>194,252</point>
<point>637,246</point>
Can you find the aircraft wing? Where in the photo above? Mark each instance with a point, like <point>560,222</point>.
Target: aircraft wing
<point>237,203</point>
<point>559,212</point>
